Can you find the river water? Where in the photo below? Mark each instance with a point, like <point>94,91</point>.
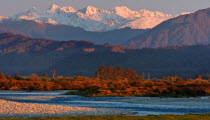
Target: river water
<point>140,105</point>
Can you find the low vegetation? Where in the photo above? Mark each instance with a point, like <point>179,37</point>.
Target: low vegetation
<point>149,117</point>
<point>110,81</point>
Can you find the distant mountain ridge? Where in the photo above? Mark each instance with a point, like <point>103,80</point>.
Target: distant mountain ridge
<point>64,32</point>
<point>26,55</point>
<point>188,29</point>
<point>100,26</point>
<point>10,43</point>
<point>3,18</point>
<point>95,19</point>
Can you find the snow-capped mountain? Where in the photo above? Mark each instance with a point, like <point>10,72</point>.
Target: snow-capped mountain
<point>95,19</point>
<point>2,17</point>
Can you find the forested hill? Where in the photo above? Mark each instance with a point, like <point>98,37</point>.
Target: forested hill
<point>17,43</point>
<point>26,55</point>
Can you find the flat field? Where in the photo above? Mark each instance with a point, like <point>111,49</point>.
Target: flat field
<point>149,117</point>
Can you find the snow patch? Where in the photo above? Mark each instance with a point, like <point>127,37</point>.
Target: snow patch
<point>95,19</point>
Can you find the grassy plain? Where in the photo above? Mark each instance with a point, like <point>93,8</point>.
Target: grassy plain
<point>122,117</point>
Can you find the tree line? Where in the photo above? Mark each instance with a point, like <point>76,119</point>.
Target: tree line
<point>110,81</point>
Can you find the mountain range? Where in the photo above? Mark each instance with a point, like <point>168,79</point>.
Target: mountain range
<point>95,19</point>
<point>178,46</point>
<point>25,55</point>
<point>66,23</point>
<point>60,32</point>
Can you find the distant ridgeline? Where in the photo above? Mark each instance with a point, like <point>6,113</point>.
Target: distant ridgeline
<point>26,55</point>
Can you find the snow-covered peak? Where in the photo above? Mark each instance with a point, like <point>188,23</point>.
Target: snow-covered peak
<point>147,13</point>
<point>89,10</point>
<point>68,9</point>
<point>2,17</point>
<point>91,18</point>
<point>122,9</point>
<point>46,20</point>
<point>185,13</point>
<point>53,8</point>
<point>124,12</point>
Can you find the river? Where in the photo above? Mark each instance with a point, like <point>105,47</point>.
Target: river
<point>140,105</point>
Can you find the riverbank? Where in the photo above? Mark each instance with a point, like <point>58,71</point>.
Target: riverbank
<point>139,105</point>
<point>9,109</point>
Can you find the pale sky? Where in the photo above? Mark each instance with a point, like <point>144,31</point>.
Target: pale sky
<point>10,7</point>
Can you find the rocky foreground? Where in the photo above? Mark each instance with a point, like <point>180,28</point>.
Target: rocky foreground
<point>9,109</point>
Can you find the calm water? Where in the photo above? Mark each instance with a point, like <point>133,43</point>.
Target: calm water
<point>141,105</point>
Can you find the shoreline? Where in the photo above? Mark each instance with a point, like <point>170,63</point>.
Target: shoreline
<point>135,105</point>
<point>10,109</point>
<point>25,91</point>
<point>65,92</point>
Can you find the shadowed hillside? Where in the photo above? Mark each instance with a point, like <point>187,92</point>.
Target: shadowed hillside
<point>64,32</point>
<point>26,55</point>
<point>190,29</point>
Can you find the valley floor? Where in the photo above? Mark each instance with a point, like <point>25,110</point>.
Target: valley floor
<point>150,117</point>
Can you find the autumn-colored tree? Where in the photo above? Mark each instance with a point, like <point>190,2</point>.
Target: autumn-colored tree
<point>9,77</point>
<point>17,76</point>
<point>34,77</point>
<point>44,75</point>
<point>2,76</point>
<point>199,77</point>
<point>117,73</point>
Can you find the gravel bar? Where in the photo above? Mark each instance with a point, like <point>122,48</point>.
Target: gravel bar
<point>10,109</point>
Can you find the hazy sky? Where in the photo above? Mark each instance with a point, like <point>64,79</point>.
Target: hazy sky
<point>10,7</point>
